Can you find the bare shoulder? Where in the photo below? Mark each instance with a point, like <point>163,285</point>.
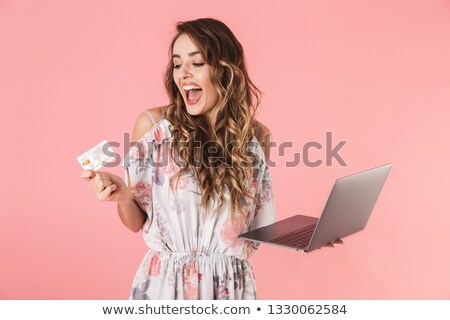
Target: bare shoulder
<point>264,137</point>
<point>263,131</point>
<point>144,123</point>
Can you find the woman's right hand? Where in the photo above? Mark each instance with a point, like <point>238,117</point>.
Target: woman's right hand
<point>107,186</point>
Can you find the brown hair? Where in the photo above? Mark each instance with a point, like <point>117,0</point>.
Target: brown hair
<point>235,110</point>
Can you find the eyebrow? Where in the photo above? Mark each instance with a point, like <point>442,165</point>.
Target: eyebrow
<point>189,54</point>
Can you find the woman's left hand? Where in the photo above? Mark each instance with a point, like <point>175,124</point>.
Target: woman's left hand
<point>331,244</point>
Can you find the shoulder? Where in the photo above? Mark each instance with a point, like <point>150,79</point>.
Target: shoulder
<point>144,123</point>
<point>264,137</point>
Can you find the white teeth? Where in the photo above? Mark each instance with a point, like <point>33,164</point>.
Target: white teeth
<point>191,88</point>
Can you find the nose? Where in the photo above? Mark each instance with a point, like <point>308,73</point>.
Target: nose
<point>184,71</point>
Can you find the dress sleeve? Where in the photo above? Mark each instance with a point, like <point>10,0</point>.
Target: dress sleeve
<point>264,207</point>
<point>136,167</point>
<point>265,204</point>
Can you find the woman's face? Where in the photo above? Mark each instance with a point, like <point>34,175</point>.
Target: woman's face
<point>192,77</point>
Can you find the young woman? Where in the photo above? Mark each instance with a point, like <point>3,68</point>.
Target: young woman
<point>197,175</point>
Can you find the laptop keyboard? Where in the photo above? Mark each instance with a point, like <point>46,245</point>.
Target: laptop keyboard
<point>297,238</point>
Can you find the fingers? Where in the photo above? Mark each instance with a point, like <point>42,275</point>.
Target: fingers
<point>87,175</point>
<point>331,244</point>
<point>106,194</point>
<point>99,184</point>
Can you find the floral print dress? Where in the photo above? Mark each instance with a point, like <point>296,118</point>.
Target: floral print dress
<point>192,254</point>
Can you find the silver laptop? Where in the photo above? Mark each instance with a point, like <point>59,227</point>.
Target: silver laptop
<point>347,210</point>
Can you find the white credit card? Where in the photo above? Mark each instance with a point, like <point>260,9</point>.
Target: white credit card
<point>97,157</point>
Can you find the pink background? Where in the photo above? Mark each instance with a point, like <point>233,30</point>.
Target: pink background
<point>375,73</point>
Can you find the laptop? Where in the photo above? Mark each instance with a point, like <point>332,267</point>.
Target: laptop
<point>347,210</point>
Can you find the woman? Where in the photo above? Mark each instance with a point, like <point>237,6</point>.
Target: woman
<point>197,174</point>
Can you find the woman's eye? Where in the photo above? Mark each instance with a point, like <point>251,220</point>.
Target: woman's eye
<point>177,66</point>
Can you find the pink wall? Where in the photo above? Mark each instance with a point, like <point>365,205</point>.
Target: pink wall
<point>375,73</point>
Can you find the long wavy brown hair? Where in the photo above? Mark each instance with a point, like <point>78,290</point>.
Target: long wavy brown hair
<point>228,138</point>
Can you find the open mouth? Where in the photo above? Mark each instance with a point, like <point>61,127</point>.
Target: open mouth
<point>193,93</point>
